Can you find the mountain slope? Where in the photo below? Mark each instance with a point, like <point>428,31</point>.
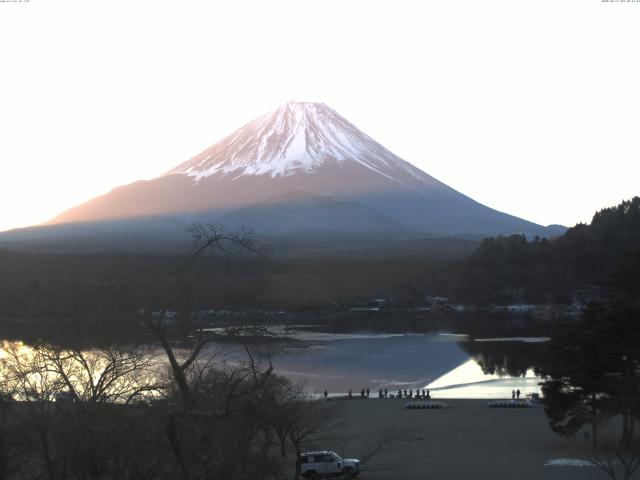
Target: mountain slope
<point>304,212</point>
<point>302,147</point>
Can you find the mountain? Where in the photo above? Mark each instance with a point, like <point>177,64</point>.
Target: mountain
<point>161,234</point>
<point>303,167</point>
<point>303,212</point>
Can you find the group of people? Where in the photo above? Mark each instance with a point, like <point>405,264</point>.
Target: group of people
<point>364,393</point>
<point>384,393</point>
<point>419,394</point>
<point>424,393</point>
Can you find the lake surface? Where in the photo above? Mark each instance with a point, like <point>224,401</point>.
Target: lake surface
<point>449,365</point>
<point>486,364</point>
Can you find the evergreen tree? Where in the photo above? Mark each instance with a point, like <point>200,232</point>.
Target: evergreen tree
<point>575,376</point>
<point>593,369</point>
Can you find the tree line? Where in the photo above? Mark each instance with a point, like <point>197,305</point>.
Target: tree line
<point>503,269</point>
<point>514,269</point>
<point>591,376</point>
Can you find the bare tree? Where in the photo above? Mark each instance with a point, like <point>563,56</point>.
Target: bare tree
<point>188,371</point>
<point>215,398</point>
<point>43,377</point>
<point>12,456</point>
<point>616,459</point>
<point>307,421</point>
<point>115,374</point>
<point>212,239</point>
<point>208,239</point>
<point>31,383</point>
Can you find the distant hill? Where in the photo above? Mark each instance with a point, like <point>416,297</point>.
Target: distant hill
<point>509,268</point>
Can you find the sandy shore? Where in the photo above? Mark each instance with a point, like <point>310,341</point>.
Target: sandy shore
<point>467,441</point>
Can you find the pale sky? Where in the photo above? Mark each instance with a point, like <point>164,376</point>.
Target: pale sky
<point>530,107</point>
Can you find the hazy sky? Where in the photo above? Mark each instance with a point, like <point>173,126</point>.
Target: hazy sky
<point>532,108</point>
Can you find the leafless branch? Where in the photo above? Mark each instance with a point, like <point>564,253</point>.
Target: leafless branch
<point>615,459</point>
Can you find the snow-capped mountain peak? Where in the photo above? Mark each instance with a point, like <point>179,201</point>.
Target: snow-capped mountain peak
<point>298,137</point>
<point>349,182</point>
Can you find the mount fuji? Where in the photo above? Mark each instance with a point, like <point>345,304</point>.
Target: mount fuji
<point>301,168</point>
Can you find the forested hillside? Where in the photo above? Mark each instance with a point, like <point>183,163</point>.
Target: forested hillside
<point>501,270</point>
<point>514,269</point>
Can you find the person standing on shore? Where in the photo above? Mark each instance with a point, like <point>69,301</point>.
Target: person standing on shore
<point>326,394</point>
<point>513,394</point>
<point>518,394</point>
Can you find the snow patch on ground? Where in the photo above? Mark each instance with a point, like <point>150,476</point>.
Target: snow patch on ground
<point>514,339</point>
<point>568,462</point>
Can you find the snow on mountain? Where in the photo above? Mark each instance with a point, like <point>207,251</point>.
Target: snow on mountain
<point>303,147</point>
<point>298,137</point>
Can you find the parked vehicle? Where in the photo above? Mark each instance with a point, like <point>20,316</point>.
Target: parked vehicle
<point>325,463</point>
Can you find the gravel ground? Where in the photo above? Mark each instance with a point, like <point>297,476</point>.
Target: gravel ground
<point>466,441</point>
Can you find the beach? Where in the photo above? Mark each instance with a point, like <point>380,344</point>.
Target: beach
<point>466,441</point>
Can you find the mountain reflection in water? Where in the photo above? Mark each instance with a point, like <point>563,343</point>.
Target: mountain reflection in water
<point>452,366</point>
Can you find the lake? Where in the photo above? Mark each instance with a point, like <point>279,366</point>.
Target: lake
<point>449,365</point>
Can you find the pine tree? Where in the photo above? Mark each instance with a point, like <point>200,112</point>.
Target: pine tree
<point>575,376</point>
